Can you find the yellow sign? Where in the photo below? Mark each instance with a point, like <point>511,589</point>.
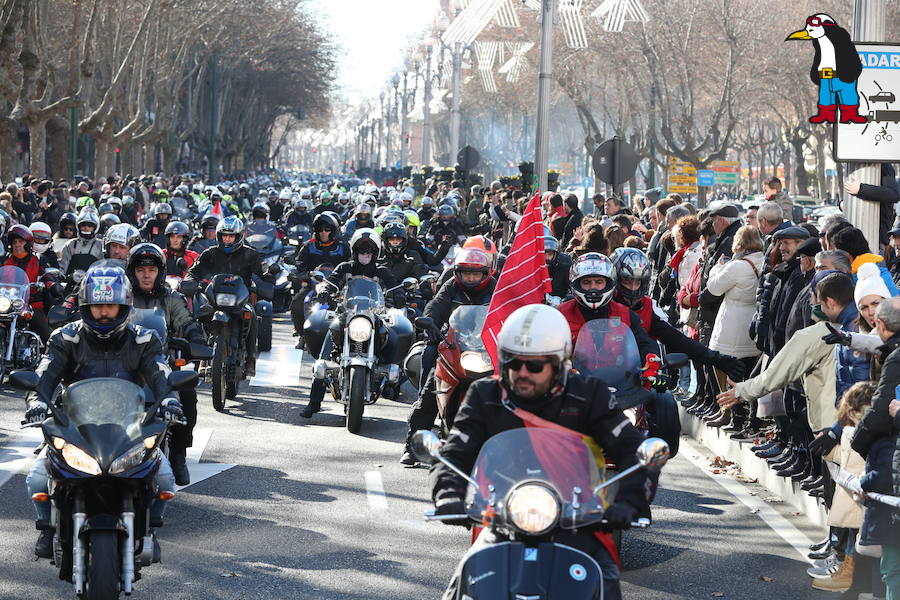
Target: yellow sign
<point>566,168</point>
<point>682,189</point>
<point>685,179</point>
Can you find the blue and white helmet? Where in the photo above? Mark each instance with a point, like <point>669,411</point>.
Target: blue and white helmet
<point>105,285</point>
<point>230,225</point>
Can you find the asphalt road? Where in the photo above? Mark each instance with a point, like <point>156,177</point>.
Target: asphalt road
<point>300,515</point>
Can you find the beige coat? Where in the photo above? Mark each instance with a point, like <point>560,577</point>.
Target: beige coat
<point>845,512</point>
<point>806,357</point>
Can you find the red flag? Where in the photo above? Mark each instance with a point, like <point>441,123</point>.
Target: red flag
<point>524,279</point>
<point>217,208</point>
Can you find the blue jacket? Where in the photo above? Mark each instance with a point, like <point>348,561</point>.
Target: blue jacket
<point>876,526</point>
<point>850,366</point>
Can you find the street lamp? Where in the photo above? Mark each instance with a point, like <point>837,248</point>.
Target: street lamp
<point>426,119</point>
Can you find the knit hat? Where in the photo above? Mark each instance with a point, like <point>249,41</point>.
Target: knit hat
<point>869,282</point>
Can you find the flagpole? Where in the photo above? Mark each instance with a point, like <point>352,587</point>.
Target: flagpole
<point>542,142</point>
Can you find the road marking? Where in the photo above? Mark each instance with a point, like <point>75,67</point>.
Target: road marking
<point>17,453</point>
<point>278,368</point>
<point>771,517</point>
<point>375,491</point>
<point>201,471</point>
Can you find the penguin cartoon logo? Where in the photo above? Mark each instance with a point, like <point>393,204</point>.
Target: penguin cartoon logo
<point>835,69</point>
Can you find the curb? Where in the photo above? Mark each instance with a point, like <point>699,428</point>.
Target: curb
<point>752,466</point>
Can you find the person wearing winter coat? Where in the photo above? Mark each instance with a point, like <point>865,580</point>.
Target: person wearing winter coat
<point>852,241</point>
<point>886,195</point>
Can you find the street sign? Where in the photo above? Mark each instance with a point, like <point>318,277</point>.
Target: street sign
<point>727,177</point>
<point>587,182</point>
<point>681,177</point>
<point>566,169</point>
<point>615,161</point>
<point>682,189</point>
<point>468,158</point>
<point>879,92</point>
<point>706,178</point>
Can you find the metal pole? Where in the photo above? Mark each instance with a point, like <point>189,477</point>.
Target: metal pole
<point>454,108</point>
<point>73,141</point>
<point>213,117</point>
<point>868,26</point>
<point>426,119</point>
<point>651,180</point>
<point>404,124</point>
<point>542,138</point>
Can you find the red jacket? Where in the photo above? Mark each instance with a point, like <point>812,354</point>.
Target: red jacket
<point>573,315</point>
<point>32,267</point>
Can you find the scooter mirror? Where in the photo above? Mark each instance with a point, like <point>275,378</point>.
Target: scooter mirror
<point>676,360</point>
<point>653,453</point>
<point>317,275</point>
<point>410,282</point>
<point>425,445</point>
<point>427,277</point>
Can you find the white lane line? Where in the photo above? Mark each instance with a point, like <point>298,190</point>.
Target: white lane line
<point>278,368</point>
<point>784,528</point>
<point>17,453</point>
<point>375,491</point>
<point>201,471</point>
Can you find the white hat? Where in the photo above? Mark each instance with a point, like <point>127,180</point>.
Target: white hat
<point>869,282</point>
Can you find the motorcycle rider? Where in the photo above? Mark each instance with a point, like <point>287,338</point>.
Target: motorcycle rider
<point>206,238</point>
<point>42,237</point>
<point>82,251</point>
<point>300,215</point>
<point>146,270</point>
<point>396,258</point>
<point>176,238</point>
<point>426,211</point>
<point>101,344</point>
<point>119,239</point>
<point>632,269</point>
<point>472,284</point>
<point>323,248</point>
<point>325,203</point>
<point>558,265</point>
<point>444,226</point>
<point>364,248</point>
<point>66,229</point>
<point>19,242</point>
<point>260,225</point>
<point>155,227</point>
<point>533,352</point>
<point>231,255</point>
<point>362,218</point>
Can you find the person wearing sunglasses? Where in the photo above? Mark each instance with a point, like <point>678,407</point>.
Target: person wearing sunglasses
<point>533,349</point>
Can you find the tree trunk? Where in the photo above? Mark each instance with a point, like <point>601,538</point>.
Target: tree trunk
<point>37,150</point>
<point>802,177</point>
<point>821,181</point>
<point>7,151</point>
<point>101,157</point>
<point>58,131</point>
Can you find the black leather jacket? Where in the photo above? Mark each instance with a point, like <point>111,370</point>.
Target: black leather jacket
<point>73,354</point>
<point>179,321</point>
<point>451,296</point>
<point>243,261</point>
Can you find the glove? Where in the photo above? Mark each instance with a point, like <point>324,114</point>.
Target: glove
<point>824,443</point>
<point>729,365</point>
<point>170,411</point>
<point>37,411</point>
<point>553,301</point>
<point>837,336</point>
<point>450,502</point>
<point>660,383</point>
<point>618,516</point>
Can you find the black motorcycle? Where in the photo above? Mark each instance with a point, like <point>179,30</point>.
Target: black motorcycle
<point>104,446</point>
<point>373,341</point>
<point>228,327</point>
<point>527,486</point>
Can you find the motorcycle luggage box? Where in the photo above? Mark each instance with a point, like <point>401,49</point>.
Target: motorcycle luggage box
<point>513,570</point>
<point>405,334</point>
<point>314,330</point>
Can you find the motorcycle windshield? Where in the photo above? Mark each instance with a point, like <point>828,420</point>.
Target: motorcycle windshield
<point>14,286</point>
<point>180,206</point>
<point>115,403</point>
<point>299,231</point>
<point>467,323</point>
<point>362,293</point>
<point>606,349</point>
<point>559,460</point>
<point>153,319</point>
<point>261,243</point>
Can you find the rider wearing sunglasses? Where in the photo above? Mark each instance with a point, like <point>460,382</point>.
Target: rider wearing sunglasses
<point>533,347</point>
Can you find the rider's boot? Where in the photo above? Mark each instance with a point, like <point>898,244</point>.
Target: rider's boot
<point>44,546</point>
<point>177,457</point>
<point>250,366</point>
<point>316,393</point>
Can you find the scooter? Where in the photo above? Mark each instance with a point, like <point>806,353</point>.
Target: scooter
<point>527,486</point>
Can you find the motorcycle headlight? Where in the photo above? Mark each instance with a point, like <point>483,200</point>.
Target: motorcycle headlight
<point>226,299</point>
<point>533,508</point>
<point>129,460</point>
<point>5,304</point>
<point>474,362</point>
<point>359,329</point>
<point>18,303</point>
<point>80,460</point>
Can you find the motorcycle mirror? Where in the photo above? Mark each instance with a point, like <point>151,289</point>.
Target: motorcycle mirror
<point>410,282</point>
<point>274,268</point>
<point>425,445</point>
<point>181,263</point>
<point>58,315</point>
<point>77,276</point>
<point>653,453</point>
<point>201,352</point>
<point>183,380</point>
<point>424,323</point>
<point>428,277</point>
<point>188,287</point>
<point>205,312</point>
<point>676,360</point>
<point>26,381</point>
<point>51,273</point>
<point>317,275</point>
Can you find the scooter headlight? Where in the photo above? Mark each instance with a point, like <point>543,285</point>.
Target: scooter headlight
<point>359,329</point>
<point>474,362</point>
<point>5,304</point>
<point>226,299</point>
<point>80,460</point>
<point>129,460</point>
<point>533,508</point>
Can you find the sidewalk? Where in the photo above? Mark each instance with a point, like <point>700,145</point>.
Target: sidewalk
<point>752,466</point>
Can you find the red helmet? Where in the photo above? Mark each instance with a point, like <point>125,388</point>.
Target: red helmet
<point>472,260</point>
<point>483,243</point>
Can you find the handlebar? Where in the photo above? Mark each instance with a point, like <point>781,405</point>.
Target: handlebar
<point>430,515</point>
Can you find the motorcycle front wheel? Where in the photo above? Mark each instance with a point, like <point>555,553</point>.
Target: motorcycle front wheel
<point>219,377</point>
<point>103,566</point>
<point>359,380</point>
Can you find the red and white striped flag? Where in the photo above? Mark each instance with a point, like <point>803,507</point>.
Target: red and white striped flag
<point>217,208</point>
<point>524,279</point>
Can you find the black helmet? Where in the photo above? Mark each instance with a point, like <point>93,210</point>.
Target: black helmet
<point>260,210</point>
<point>326,220</point>
<point>210,221</point>
<point>394,230</point>
<point>445,213</point>
<point>67,220</point>
<point>105,285</point>
<point>177,228</point>
<point>146,255</point>
<point>105,208</point>
<point>631,265</point>
<point>108,220</point>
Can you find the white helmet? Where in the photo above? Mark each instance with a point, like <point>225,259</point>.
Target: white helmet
<point>365,234</point>
<point>536,330</point>
<point>592,264</point>
<point>40,230</point>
